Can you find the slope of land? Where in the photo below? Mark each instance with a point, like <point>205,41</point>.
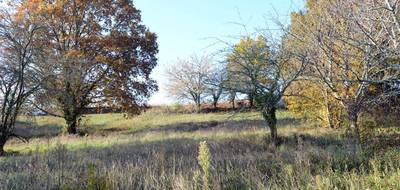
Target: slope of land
<point>160,151</point>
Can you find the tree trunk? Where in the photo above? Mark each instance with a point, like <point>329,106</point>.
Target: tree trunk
<point>353,121</point>
<point>232,99</point>
<point>72,125</point>
<point>215,102</point>
<point>2,152</point>
<point>269,115</point>
<point>330,115</point>
<point>2,143</point>
<point>251,101</point>
<point>198,105</point>
<point>353,118</point>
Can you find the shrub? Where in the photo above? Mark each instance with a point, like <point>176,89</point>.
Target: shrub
<point>204,159</point>
<point>96,182</point>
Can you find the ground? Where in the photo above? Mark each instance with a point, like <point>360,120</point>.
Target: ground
<point>158,150</point>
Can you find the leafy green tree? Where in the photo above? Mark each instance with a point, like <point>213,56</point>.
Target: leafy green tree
<point>244,64</point>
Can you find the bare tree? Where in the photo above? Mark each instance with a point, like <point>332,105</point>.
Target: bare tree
<point>19,78</point>
<point>352,47</point>
<point>187,79</point>
<point>232,97</point>
<point>215,83</point>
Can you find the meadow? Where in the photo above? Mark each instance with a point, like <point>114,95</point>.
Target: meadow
<point>161,150</point>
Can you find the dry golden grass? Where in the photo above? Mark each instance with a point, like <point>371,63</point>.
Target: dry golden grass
<point>159,151</point>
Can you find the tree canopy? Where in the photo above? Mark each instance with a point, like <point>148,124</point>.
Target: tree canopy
<point>100,54</point>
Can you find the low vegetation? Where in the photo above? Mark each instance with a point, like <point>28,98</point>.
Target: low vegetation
<point>192,151</point>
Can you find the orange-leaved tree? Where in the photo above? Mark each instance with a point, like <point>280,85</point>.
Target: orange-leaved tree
<point>100,54</point>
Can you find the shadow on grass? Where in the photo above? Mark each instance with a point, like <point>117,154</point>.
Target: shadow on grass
<point>317,141</point>
<point>178,150</point>
<point>246,143</point>
<point>238,125</point>
<point>184,148</point>
<point>30,130</point>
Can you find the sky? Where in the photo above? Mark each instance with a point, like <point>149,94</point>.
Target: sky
<point>187,27</point>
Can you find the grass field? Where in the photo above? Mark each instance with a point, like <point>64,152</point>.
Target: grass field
<point>160,151</point>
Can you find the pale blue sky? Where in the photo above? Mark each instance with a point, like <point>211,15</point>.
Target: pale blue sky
<point>185,27</point>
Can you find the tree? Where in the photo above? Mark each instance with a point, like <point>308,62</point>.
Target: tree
<point>310,97</point>
<point>269,69</point>
<point>187,79</point>
<point>232,97</point>
<point>101,55</point>
<point>242,68</point>
<point>215,84</point>
<point>352,47</point>
<point>19,77</point>
<point>231,84</point>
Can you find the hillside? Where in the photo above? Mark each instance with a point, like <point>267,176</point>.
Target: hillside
<point>160,151</point>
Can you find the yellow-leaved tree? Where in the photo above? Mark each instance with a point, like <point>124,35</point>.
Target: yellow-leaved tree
<point>350,49</point>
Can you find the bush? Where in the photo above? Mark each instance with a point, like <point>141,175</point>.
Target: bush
<point>204,159</point>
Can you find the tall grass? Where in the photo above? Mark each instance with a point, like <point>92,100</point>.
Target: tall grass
<point>155,151</point>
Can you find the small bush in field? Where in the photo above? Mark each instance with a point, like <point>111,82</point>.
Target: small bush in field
<point>176,107</point>
<point>95,182</point>
<point>204,159</point>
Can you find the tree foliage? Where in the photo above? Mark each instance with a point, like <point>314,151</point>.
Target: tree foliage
<point>263,67</point>
<point>244,64</point>
<point>100,55</point>
<point>352,49</point>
